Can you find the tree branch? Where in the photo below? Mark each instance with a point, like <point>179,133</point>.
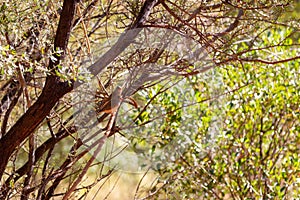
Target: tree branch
<point>125,39</point>
<point>53,90</point>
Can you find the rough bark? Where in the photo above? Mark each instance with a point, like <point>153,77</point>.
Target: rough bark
<point>53,90</point>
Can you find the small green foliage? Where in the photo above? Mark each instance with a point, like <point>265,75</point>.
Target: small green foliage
<point>255,153</point>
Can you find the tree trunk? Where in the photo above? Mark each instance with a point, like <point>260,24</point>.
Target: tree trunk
<point>53,90</point>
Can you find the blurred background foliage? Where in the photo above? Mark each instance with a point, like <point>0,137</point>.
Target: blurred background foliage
<point>256,149</point>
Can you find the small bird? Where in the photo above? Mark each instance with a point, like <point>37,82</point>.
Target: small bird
<point>111,104</point>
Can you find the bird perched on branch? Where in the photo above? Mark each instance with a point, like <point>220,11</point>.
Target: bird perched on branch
<point>111,103</point>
